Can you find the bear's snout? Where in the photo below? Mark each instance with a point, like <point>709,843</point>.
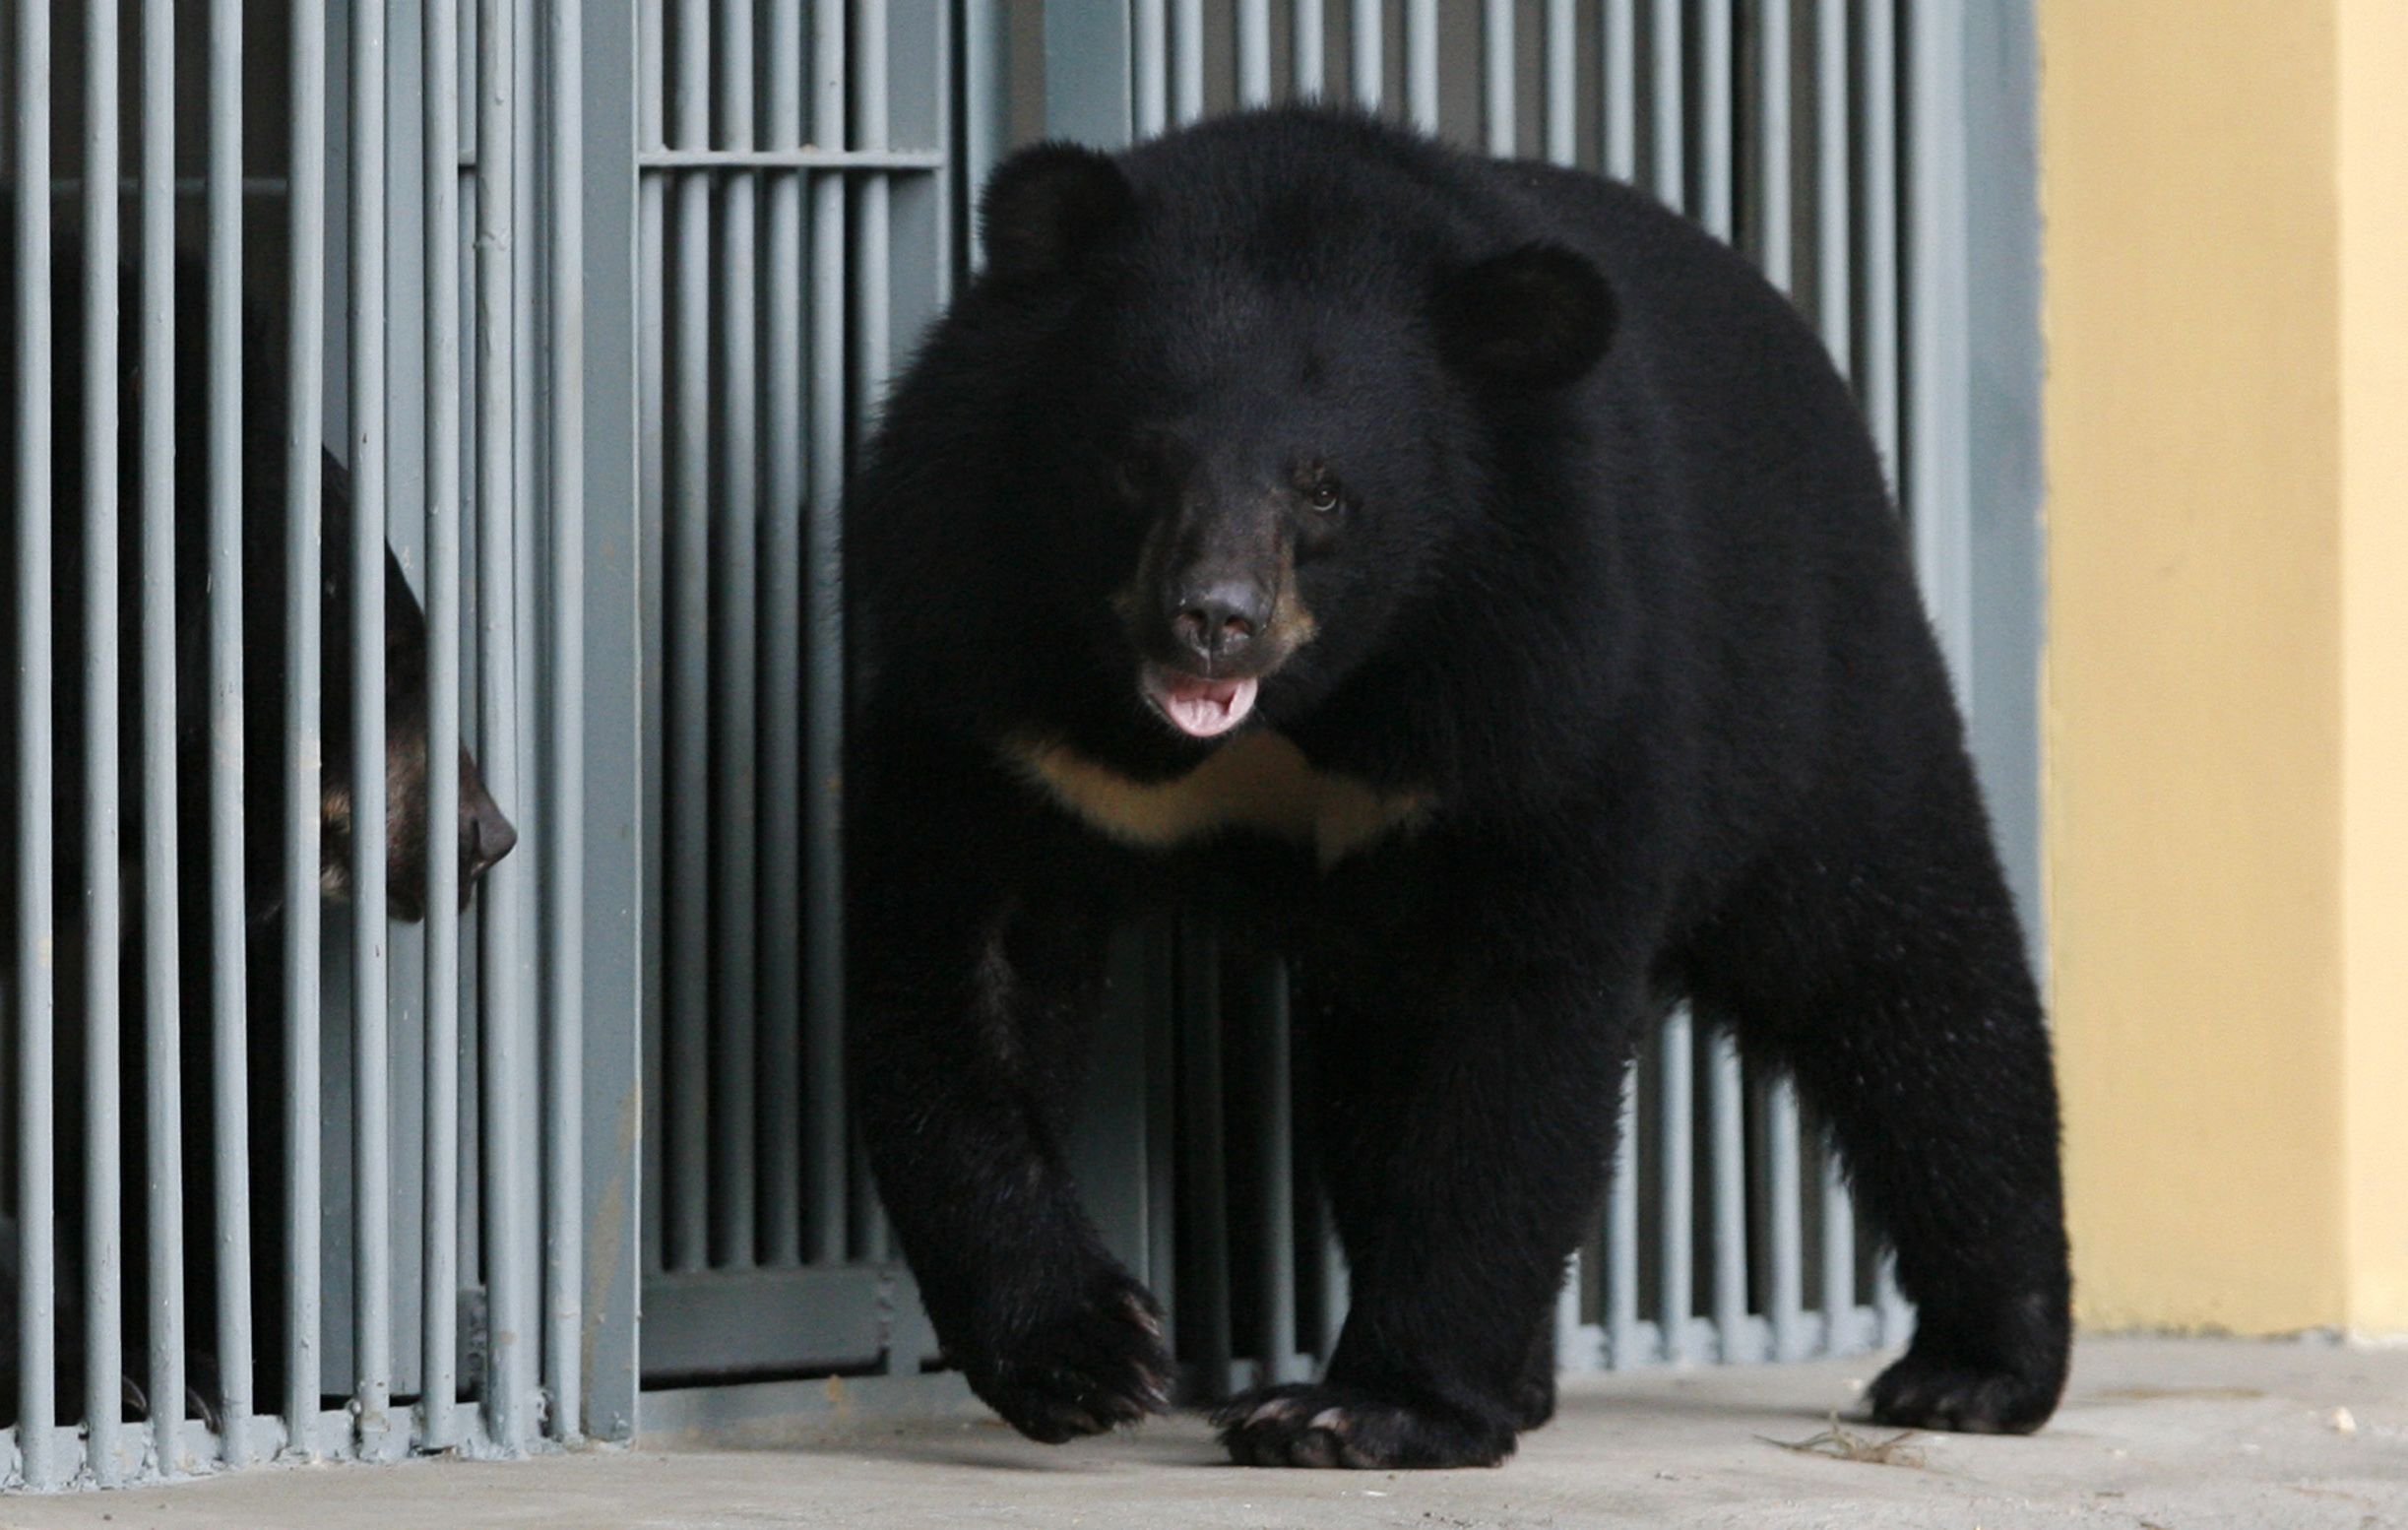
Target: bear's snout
<point>1215,624</point>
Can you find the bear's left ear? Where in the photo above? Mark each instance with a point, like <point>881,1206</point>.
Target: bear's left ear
<point>1537,317</point>
<point>1047,208</point>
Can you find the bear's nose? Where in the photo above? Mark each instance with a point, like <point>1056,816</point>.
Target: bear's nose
<point>1217,623</point>
<point>485,837</point>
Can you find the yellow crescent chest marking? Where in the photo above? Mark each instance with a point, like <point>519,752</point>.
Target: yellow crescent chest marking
<point>1259,782</point>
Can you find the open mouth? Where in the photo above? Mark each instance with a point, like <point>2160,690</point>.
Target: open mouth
<point>1199,708</point>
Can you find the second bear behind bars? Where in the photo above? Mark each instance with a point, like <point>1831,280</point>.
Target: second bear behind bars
<point>1474,581</point>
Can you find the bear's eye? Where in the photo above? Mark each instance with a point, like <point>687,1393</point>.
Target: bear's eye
<point>1322,494</point>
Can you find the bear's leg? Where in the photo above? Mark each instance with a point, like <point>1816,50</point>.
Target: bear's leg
<point>964,1059</point>
<point>1889,978</point>
<point>1464,1130</point>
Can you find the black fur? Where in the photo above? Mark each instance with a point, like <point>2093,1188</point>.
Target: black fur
<point>1601,569</point>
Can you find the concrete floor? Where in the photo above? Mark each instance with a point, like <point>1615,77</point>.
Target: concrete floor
<point>2156,1435</point>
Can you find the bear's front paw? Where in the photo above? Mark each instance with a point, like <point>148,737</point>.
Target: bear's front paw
<point>1080,1370</point>
<point>1304,1425</point>
<point>1923,1391</point>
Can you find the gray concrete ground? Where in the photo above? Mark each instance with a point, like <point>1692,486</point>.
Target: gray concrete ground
<point>2156,1435</point>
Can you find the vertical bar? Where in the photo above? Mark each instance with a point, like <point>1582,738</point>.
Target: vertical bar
<point>824,695</point>
<point>1368,73</point>
<point>512,1322</point>
<point>1422,63</point>
<point>230,987</point>
<point>1939,308</point>
<point>304,719</point>
<point>162,986</point>
<point>1308,44</point>
<point>1774,150</point>
<point>564,781</point>
<point>652,371</point>
<point>1253,52</point>
<point>734,687</point>
<point>1838,1258</point>
<point>781,806</point>
<point>1149,59</point>
<point>1878,366</point>
<point>439,1259</point>
<point>1159,1014</point>
<point>1676,1277</point>
<point>983,88</point>
<point>693,1206</point>
<point>1496,57</point>
<point>1832,277</point>
<point>1666,88</point>
<point>875,272</point>
<point>1188,60</point>
<point>38,1435</point>
<point>1563,92</point>
<point>1715,128</point>
<point>1727,1104</point>
<point>371,1082</point>
<point>1279,1339</point>
<point>1621,104</point>
<point>1623,1233</point>
<point>1785,1256</point>
<point>104,890</point>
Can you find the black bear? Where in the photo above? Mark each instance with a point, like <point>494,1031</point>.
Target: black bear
<point>483,834</point>
<point>1474,582</point>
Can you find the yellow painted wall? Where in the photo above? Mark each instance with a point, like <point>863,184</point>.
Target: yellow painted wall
<point>2226,321</point>
<point>2373,180</point>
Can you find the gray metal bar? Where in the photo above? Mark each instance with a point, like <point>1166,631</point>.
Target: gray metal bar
<point>651,373</point>
<point>1621,1314</point>
<point>1186,60</point>
<point>104,888</point>
<point>1367,75</point>
<point>1562,75</point>
<point>509,1185</point>
<point>1727,1106</point>
<point>439,1259</point>
<point>564,707</point>
<point>1774,148</point>
<point>304,615</point>
<point>1621,103</point>
<point>1839,1310</point>
<point>1149,58</point>
<point>1207,1201</point>
<point>1939,447</point>
<point>1253,52</point>
<point>1832,275</point>
<point>733,511</point>
<point>38,1441</point>
<point>371,1082</point>
<point>1785,1252</point>
<point>1280,1339</point>
<point>824,692</point>
<point>1309,50</point>
<point>780,702</point>
<point>984,91</point>
<point>815,157</point>
<point>1422,63</point>
<point>1674,1278</point>
<point>1667,91</point>
<point>1714,190</point>
<point>693,1200</point>
<point>229,983</point>
<point>1878,366</point>
<point>1497,60</point>
<point>162,986</point>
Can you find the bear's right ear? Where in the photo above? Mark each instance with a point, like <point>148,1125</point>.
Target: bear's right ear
<point>1537,317</point>
<point>1048,206</point>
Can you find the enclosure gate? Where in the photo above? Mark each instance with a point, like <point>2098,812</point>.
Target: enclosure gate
<point>594,303</point>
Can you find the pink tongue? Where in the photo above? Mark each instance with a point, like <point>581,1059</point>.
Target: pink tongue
<point>1203,708</point>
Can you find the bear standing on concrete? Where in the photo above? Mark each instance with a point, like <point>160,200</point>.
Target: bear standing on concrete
<point>1473,581</point>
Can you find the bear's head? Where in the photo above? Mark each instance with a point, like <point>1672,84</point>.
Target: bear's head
<point>1225,433</point>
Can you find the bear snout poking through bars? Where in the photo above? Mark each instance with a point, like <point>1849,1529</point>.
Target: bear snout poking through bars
<point>1474,583</point>
<point>481,836</point>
